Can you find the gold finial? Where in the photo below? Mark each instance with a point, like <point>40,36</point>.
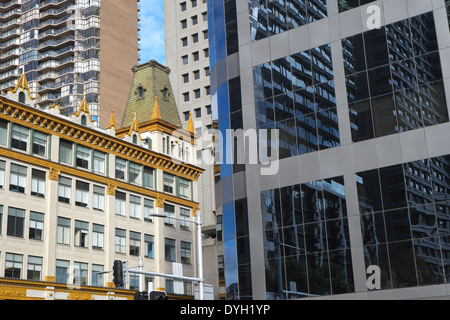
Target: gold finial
<point>134,127</point>
<point>112,121</point>
<point>190,126</point>
<point>156,114</point>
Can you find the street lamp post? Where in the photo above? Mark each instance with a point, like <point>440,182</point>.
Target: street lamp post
<point>198,224</point>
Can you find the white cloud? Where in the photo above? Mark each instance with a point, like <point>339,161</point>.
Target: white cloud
<point>152,30</point>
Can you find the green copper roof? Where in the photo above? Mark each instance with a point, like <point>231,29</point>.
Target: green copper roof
<point>151,79</point>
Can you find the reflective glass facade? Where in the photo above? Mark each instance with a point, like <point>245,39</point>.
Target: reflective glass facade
<point>345,5</point>
<point>405,221</point>
<point>269,17</point>
<point>363,177</point>
<point>295,94</point>
<point>394,79</point>
<point>307,243</point>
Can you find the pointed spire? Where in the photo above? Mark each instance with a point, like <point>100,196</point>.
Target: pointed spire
<point>22,83</point>
<point>190,126</point>
<point>134,126</point>
<point>156,114</point>
<point>83,107</point>
<point>112,121</point>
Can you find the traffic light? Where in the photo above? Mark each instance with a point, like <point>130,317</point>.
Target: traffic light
<point>158,295</point>
<point>118,273</point>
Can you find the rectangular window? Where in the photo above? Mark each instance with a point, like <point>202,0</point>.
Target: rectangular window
<point>38,183</point>
<point>17,178</point>
<point>185,214</point>
<point>98,236</point>
<point>34,268</point>
<point>81,233</point>
<point>169,249</point>
<point>63,231</point>
<point>134,173</point>
<point>120,241</point>
<point>135,243</point>
<point>1,218</point>
<point>65,151</point>
<point>3,132</point>
<point>83,157</point>
<point>2,174</point>
<point>62,270</point>
<point>98,201</point>
<point>81,194</point>
<point>19,137</point>
<point>135,207</point>
<point>36,229</point>
<point>148,178</point>
<point>121,167</point>
<point>169,181</point>
<point>16,218</point>
<point>185,252</point>
<point>39,143</point>
<point>184,187</point>
<point>98,279</point>
<point>120,203</point>
<point>99,162</point>
<point>80,273</point>
<point>64,189</point>
<point>169,211</point>
<point>13,265</point>
<point>149,246</point>
<point>148,210</point>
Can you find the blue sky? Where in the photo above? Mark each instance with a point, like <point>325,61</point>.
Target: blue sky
<point>152,30</point>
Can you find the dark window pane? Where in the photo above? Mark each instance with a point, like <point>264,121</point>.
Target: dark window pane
<point>376,48</point>
<point>384,119</point>
<point>369,191</point>
<point>402,264</point>
<point>361,121</point>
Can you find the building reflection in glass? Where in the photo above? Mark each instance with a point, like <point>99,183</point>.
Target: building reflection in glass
<point>269,17</point>
<point>306,240</point>
<point>296,95</point>
<point>345,5</point>
<point>394,79</point>
<point>405,221</point>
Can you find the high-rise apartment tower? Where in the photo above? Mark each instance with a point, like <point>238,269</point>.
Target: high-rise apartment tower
<point>70,48</point>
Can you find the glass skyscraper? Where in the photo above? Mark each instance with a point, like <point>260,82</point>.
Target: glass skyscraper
<point>358,96</point>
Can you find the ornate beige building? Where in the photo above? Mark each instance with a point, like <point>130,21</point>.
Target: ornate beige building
<point>75,197</point>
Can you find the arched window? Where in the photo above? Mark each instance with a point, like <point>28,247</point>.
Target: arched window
<point>22,97</point>
<point>134,138</point>
<point>83,120</point>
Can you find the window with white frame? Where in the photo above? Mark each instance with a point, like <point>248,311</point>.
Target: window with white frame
<point>169,211</point>
<point>3,132</point>
<point>83,157</point>
<point>63,231</point>
<point>134,173</point>
<point>99,162</point>
<point>17,178</point>
<point>80,273</point>
<point>81,194</point>
<point>2,173</point>
<point>65,151</point>
<point>98,235</point>
<point>185,250</point>
<point>39,144</point>
<point>148,177</point>
<point>169,183</point>
<point>81,233</point>
<point>13,265</point>
<point>64,189</point>
<point>135,243</point>
<point>149,241</point>
<point>98,201</point>
<point>121,167</point>
<point>148,210</point>
<point>120,203</point>
<point>120,241</point>
<point>135,207</point>
<point>62,271</point>
<point>36,227</point>
<point>98,279</point>
<point>34,268</point>
<point>19,137</point>
<point>38,183</point>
